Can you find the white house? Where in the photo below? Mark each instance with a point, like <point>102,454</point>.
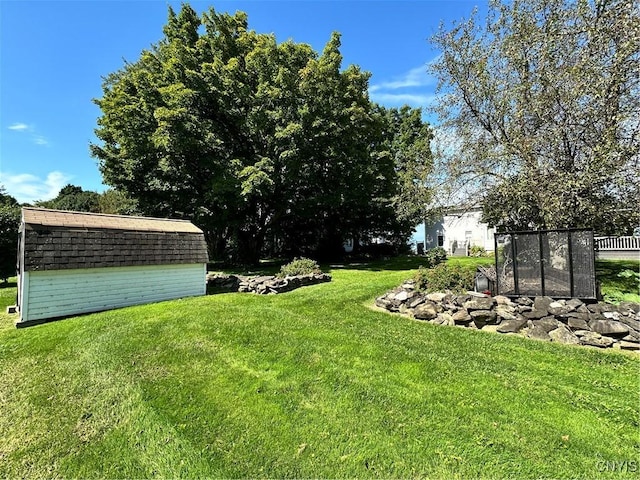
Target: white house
<point>75,262</point>
<point>456,231</point>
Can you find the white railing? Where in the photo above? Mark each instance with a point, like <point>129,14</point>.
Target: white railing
<point>617,243</point>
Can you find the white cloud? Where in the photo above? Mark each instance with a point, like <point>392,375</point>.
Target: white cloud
<point>34,135</point>
<point>416,77</point>
<point>415,88</point>
<point>399,99</point>
<point>27,188</point>
<point>40,140</point>
<point>20,127</point>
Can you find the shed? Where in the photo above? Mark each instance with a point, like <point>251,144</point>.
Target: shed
<point>76,262</point>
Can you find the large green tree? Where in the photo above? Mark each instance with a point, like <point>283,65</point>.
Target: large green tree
<point>263,145</point>
<point>544,100</point>
<point>9,225</point>
<point>73,198</point>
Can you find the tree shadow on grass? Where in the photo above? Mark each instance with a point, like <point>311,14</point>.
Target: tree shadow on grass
<point>12,283</point>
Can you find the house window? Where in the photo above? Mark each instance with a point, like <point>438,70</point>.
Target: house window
<point>440,240</point>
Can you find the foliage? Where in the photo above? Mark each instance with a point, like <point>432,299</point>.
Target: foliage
<point>115,202</point>
<point>435,256</point>
<point>9,225</point>
<point>619,280</point>
<point>299,266</point>
<point>236,386</point>
<point>543,102</point>
<point>73,198</point>
<point>260,144</point>
<point>445,277</point>
<point>410,144</point>
<point>477,251</point>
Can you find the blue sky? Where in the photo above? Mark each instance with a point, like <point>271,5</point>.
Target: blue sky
<point>53,55</point>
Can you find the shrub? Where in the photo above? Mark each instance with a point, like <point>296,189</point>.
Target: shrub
<point>443,277</point>
<point>299,266</point>
<point>477,251</point>
<point>435,256</point>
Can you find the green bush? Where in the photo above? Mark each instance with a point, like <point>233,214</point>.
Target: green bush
<point>435,256</point>
<point>299,266</point>
<point>443,277</point>
<point>477,251</point>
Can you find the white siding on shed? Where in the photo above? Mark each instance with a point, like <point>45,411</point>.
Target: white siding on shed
<point>58,293</point>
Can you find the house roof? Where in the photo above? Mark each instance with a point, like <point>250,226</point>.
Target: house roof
<point>59,240</point>
<point>61,218</point>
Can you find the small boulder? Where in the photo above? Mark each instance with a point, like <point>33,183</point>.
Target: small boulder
<point>425,311</point>
<point>610,328</point>
<point>595,340</point>
<point>461,316</point>
<point>512,326</point>
<point>547,323</point>
<point>563,335</point>
<point>483,317</point>
<point>479,303</point>
<point>538,333</point>
<point>577,323</point>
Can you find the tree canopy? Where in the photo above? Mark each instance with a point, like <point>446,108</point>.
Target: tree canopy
<point>265,146</point>
<point>9,225</point>
<point>544,103</point>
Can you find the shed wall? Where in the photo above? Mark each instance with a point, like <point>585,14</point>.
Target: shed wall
<point>58,293</point>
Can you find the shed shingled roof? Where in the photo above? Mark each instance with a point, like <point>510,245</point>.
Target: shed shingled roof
<point>59,240</point>
<point>62,218</point>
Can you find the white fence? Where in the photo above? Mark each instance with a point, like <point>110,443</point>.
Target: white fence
<point>617,243</point>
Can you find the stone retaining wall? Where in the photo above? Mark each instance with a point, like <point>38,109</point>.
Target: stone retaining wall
<point>543,318</point>
<point>262,285</point>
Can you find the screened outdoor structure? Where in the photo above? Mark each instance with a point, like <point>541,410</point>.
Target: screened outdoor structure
<point>555,263</point>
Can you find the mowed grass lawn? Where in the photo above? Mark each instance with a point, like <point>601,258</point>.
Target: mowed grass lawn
<point>311,383</point>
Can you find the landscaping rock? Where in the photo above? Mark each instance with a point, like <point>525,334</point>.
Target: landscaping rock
<point>479,303</point>
<point>595,340</point>
<point>577,323</point>
<point>628,345</point>
<point>547,323</point>
<point>512,326</point>
<point>506,312</point>
<point>564,321</point>
<point>436,297</point>
<point>461,316</point>
<point>537,333</point>
<point>415,301</point>
<point>609,328</point>
<point>563,335</point>
<point>541,304</point>
<point>426,311</point>
<point>483,317</point>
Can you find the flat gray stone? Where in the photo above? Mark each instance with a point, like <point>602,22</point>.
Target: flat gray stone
<point>479,303</point>
<point>426,311</point>
<point>629,345</point>
<point>512,326</point>
<point>547,323</point>
<point>630,322</point>
<point>577,323</point>
<point>436,297</point>
<point>402,296</point>
<point>483,317</point>
<point>535,314</point>
<point>461,316</point>
<point>595,340</point>
<point>502,300</point>
<point>542,304</point>
<point>415,301</point>
<point>506,312</point>
<point>609,327</point>
<point>564,335</point>
<point>538,333</point>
